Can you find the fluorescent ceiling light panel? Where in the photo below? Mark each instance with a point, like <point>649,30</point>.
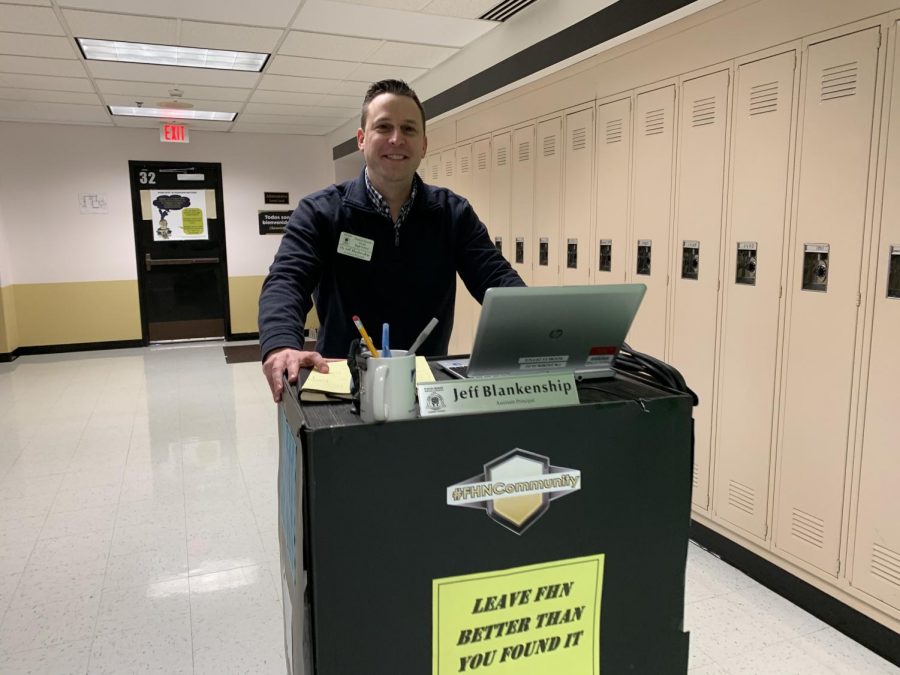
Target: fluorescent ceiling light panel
<point>172,113</point>
<point>167,55</point>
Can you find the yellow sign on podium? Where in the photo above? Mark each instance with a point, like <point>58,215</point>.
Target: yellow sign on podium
<point>531,620</point>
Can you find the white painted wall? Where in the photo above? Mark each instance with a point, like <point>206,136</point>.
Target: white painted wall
<point>43,168</point>
<point>5,264</point>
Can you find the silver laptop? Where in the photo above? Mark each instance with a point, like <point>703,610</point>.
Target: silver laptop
<point>557,329</point>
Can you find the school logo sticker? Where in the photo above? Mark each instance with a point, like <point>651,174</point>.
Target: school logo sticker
<point>515,489</point>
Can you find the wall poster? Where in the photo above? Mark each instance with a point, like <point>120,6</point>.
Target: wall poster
<point>180,215</point>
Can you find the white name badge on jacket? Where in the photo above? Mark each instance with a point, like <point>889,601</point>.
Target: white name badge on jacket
<point>355,247</point>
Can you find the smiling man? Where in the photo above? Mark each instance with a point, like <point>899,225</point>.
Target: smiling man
<point>384,246</point>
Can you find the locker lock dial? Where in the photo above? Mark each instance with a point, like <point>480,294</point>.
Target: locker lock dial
<point>815,267</point>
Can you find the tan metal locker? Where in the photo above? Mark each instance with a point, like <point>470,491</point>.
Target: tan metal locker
<point>751,283</point>
<point>876,559</point>
<point>547,203</point>
<point>501,190</point>
<point>448,169</point>
<point>522,201</point>
<point>432,173</point>
<point>613,179</point>
<point>467,309</point>
<point>834,156</point>
<point>651,213</point>
<point>576,247</point>
<point>698,226</point>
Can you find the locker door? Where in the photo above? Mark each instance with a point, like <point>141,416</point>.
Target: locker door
<point>651,211</point>
<point>698,226</point>
<point>547,203</point>
<point>433,169</point>
<point>876,560</point>
<point>501,190</point>
<point>751,283</point>
<point>480,191</point>
<point>448,169</point>
<point>576,247</point>
<point>613,164</point>
<point>522,210</point>
<point>467,308</point>
<point>831,205</point>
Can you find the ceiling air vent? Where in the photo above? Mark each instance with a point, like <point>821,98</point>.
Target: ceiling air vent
<point>505,9</point>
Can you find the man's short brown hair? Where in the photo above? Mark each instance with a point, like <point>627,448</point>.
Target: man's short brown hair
<point>396,87</point>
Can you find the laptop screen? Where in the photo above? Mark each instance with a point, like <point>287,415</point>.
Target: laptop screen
<point>559,329</point>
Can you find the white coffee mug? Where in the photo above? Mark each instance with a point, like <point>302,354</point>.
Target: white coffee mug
<point>387,387</point>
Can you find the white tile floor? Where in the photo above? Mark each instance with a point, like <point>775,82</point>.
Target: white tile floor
<point>138,531</point>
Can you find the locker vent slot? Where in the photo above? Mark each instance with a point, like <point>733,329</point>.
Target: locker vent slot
<point>524,151</point>
<point>482,161</point>
<point>614,131</point>
<point>886,564</point>
<point>704,112</point>
<point>579,139</point>
<point>434,171</point>
<point>839,81</point>
<point>764,98</point>
<point>654,122</point>
<point>448,168</point>
<point>501,156</point>
<point>464,164</point>
<point>696,478</point>
<point>549,145</point>
<point>808,528</point>
<point>741,497</point>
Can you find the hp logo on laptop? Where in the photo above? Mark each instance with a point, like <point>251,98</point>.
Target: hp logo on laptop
<point>556,333</point>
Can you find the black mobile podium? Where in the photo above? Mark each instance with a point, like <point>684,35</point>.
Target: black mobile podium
<point>368,537</point>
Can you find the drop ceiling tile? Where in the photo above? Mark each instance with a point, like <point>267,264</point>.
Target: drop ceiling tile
<point>30,65</point>
<point>404,53</point>
<point>372,72</point>
<point>40,95</point>
<point>225,36</point>
<point>155,101</point>
<point>407,5</point>
<point>319,45</point>
<point>41,3</point>
<point>299,66</point>
<point>285,97</point>
<point>309,85</point>
<point>281,129</point>
<point>285,109</point>
<point>21,19</point>
<point>172,75</point>
<point>46,82</point>
<point>306,120</point>
<point>159,90</point>
<point>104,26</point>
<point>53,47</point>
<point>350,88</point>
<point>465,9</point>
<point>31,111</point>
<point>342,101</point>
<point>274,13</point>
<point>322,16</point>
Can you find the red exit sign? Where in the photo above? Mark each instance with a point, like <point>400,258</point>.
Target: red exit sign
<point>173,133</point>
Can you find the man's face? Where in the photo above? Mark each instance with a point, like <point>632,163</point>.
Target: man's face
<point>393,141</point>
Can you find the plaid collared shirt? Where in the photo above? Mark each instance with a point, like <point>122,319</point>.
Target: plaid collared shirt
<point>381,205</point>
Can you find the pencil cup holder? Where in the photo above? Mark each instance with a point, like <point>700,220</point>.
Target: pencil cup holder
<point>387,388</point>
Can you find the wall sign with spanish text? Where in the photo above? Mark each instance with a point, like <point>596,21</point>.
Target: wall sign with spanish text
<point>273,222</point>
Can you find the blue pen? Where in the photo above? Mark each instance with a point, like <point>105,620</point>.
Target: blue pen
<point>385,341</point>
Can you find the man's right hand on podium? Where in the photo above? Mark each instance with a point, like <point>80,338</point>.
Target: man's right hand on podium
<point>291,360</point>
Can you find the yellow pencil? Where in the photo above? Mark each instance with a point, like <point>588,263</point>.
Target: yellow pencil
<point>365,337</point>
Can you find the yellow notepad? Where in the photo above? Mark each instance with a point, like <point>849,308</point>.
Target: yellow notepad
<point>335,384</point>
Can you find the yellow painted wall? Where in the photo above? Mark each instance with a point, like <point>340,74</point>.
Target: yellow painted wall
<point>9,328</point>
<point>243,295</point>
<point>71,313</point>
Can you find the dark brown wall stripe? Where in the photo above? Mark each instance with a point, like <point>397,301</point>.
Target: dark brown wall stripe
<point>610,22</point>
